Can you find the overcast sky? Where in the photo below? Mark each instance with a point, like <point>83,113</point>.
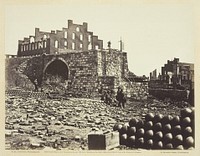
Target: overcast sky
<point>152,33</point>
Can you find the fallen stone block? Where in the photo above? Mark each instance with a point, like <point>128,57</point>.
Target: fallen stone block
<point>58,123</point>
<point>20,131</point>
<point>39,128</point>
<point>70,124</point>
<point>26,123</point>
<point>77,138</point>
<point>64,138</point>
<point>35,144</point>
<point>103,141</point>
<point>8,133</point>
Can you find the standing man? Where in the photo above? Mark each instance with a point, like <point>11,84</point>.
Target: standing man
<point>121,98</point>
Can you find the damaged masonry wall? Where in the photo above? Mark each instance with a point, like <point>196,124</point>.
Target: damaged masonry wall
<point>88,71</point>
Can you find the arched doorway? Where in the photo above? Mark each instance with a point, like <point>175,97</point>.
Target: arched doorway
<point>56,74</point>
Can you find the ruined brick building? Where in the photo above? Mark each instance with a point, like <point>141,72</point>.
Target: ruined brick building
<point>72,39</point>
<point>175,78</point>
<point>75,58</point>
<point>175,73</point>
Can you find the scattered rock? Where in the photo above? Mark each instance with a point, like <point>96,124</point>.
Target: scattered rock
<point>77,117</point>
<point>77,138</point>
<point>8,133</point>
<point>35,144</point>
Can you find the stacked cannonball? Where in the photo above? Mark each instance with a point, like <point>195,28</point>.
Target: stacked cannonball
<point>159,132</point>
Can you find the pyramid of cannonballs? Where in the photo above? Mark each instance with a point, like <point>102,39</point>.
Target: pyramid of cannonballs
<point>158,131</point>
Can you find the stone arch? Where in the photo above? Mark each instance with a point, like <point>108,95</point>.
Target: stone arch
<point>57,66</point>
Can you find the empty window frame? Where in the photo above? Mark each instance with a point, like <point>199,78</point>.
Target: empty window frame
<point>96,47</point>
<point>65,43</point>
<point>77,29</point>
<point>45,37</point>
<point>22,48</point>
<point>90,46</point>
<point>45,44</point>
<point>81,45</point>
<point>73,36</point>
<point>65,34</point>
<point>89,38</point>
<point>32,40</point>
<point>35,45</point>
<point>29,46</point>
<point>32,46</point>
<point>56,44</point>
<point>73,46</point>
<point>81,37</point>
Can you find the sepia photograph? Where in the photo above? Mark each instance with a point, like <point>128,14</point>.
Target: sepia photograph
<point>99,76</point>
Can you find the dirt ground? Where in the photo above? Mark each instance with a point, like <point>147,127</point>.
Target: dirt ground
<point>52,124</point>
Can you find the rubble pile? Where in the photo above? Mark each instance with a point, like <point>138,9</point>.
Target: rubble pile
<point>38,123</point>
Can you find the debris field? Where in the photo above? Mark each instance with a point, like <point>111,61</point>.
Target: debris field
<point>64,124</point>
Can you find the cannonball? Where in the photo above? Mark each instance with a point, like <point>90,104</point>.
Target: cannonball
<point>186,112</point>
<point>167,119</point>
<point>178,140</point>
<point>149,134</point>
<point>140,124</point>
<point>124,129</point>
<point>189,142</point>
<point>167,128</point>
<point>131,131</point>
<point>131,141</point>
<point>186,122</point>
<point>117,127</point>
<point>158,118</point>
<point>168,146</point>
<point>176,130</point>
<point>158,136</point>
<point>149,144</point>
<point>179,147</point>
<point>158,144</point>
<point>175,121</point>
<point>140,142</point>
<point>167,138</point>
<point>148,125</point>
<point>140,132</point>
<point>149,117</point>
<point>133,122</point>
<point>187,131</point>
<point>157,127</point>
<point>123,139</point>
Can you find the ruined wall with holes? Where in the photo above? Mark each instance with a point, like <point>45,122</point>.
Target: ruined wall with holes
<point>74,38</point>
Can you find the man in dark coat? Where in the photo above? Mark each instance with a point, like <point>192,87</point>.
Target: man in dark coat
<point>121,98</point>
<point>108,99</point>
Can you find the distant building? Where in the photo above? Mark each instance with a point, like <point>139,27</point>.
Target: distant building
<point>153,75</point>
<point>72,39</point>
<point>175,73</point>
<point>178,73</point>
